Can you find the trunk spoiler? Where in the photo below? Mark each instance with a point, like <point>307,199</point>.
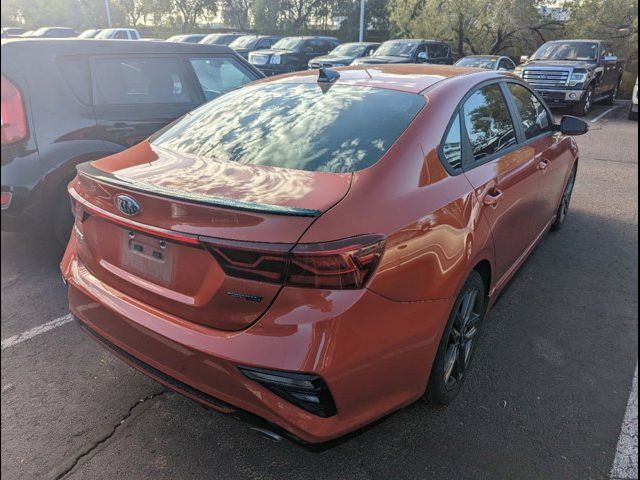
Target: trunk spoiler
<point>93,173</point>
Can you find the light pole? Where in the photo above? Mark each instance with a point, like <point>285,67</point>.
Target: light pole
<point>108,12</point>
<point>361,20</point>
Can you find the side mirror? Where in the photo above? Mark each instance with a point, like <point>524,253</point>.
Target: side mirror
<point>610,59</point>
<point>572,126</point>
<point>524,59</point>
<point>422,56</point>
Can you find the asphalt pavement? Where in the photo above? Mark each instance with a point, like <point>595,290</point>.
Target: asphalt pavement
<point>546,399</point>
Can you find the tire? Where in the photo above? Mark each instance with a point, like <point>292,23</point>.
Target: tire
<point>613,95</point>
<point>62,220</point>
<point>565,201</point>
<point>632,115</point>
<point>454,356</point>
<point>583,107</point>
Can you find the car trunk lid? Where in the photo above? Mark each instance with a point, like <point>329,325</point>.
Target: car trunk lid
<point>156,255</point>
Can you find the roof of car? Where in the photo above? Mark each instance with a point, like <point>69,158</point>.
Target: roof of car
<point>311,37</point>
<point>484,56</point>
<point>89,46</point>
<point>411,78</point>
<point>576,40</point>
<point>426,40</point>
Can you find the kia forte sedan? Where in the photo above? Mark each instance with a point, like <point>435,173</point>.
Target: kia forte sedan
<point>315,251</point>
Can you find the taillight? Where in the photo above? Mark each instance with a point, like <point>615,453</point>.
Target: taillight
<point>6,199</point>
<point>12,113</point>
<point>343,264</point>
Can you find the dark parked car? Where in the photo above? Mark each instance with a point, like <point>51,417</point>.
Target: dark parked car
<point>409,51</point>
<point>292,54</point>
<point>344,55</point>
<point>54,32</point>
<point>189,38</point>
<point>249,43</point>
<point>574,73</point>
<point>221,38</point>
<point>66,102</point>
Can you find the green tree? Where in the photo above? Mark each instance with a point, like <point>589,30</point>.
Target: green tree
<point>192,11</point>
<point>236,13</point>
<point>492,27</point>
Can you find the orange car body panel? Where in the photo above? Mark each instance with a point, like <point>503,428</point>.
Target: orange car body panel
<point>374,347</point>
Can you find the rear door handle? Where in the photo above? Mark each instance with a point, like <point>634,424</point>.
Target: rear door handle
<point>493,197</point>
<point>543,164</point>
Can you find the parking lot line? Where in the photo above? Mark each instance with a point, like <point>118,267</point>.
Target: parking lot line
<point>35,331</point>
<point>625,465</point>
<point>604,114</point>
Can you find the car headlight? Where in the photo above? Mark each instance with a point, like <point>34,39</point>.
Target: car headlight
<point>577,78</point>
<point>518,71</point>
<point>275,60</point>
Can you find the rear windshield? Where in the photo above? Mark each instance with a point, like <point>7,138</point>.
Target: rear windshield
<point>296,126</point>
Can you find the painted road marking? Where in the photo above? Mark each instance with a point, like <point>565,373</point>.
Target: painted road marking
<point>604,114</point>
<point>625,465</point>
<point>35,331</point>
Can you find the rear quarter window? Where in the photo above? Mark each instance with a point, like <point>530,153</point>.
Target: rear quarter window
<point>296,126</point>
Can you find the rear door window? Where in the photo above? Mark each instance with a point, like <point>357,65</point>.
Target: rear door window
<point>438,50</point>
<point>535,118</point>
<point>77,74</point>
<point>488,122</point>
<point>132,80</point>
<point>219,75</point>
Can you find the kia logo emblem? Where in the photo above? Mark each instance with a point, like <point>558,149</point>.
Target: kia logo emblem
<point>127,205</point>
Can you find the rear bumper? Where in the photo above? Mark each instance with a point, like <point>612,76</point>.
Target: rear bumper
<point>374,354</point>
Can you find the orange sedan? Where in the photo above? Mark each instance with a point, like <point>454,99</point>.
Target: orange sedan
<point>317,250</point>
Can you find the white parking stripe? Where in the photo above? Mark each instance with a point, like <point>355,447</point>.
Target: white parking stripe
<point>35,331</point>
<point>625,465</point>
<point>603,114</point>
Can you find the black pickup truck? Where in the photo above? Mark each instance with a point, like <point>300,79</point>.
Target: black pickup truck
<point>574,73</point>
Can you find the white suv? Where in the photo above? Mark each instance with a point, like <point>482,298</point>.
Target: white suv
<point>118,34</point>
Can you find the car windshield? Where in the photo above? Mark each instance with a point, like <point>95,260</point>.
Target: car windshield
<point>89,33</point>
<point>244,42</point>
<point>40,31</point>
<point>477,62</point>
<point>297,126</point>
<point>175,38</point>
<point>396,49</point>
<point>105,33</point>
<point>291,43</point>
<point>212,39</point>
<point>348,50</point>
<point>570,51</point>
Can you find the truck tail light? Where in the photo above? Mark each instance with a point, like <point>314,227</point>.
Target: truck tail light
<point>12,114</point>
<point>343,264</point>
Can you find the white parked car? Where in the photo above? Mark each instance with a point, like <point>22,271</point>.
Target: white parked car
<point>487,62</point>
<point>118,34</point>
<point>633,110</point>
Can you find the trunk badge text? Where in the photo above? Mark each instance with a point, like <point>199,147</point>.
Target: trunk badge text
<point>127,205</point>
